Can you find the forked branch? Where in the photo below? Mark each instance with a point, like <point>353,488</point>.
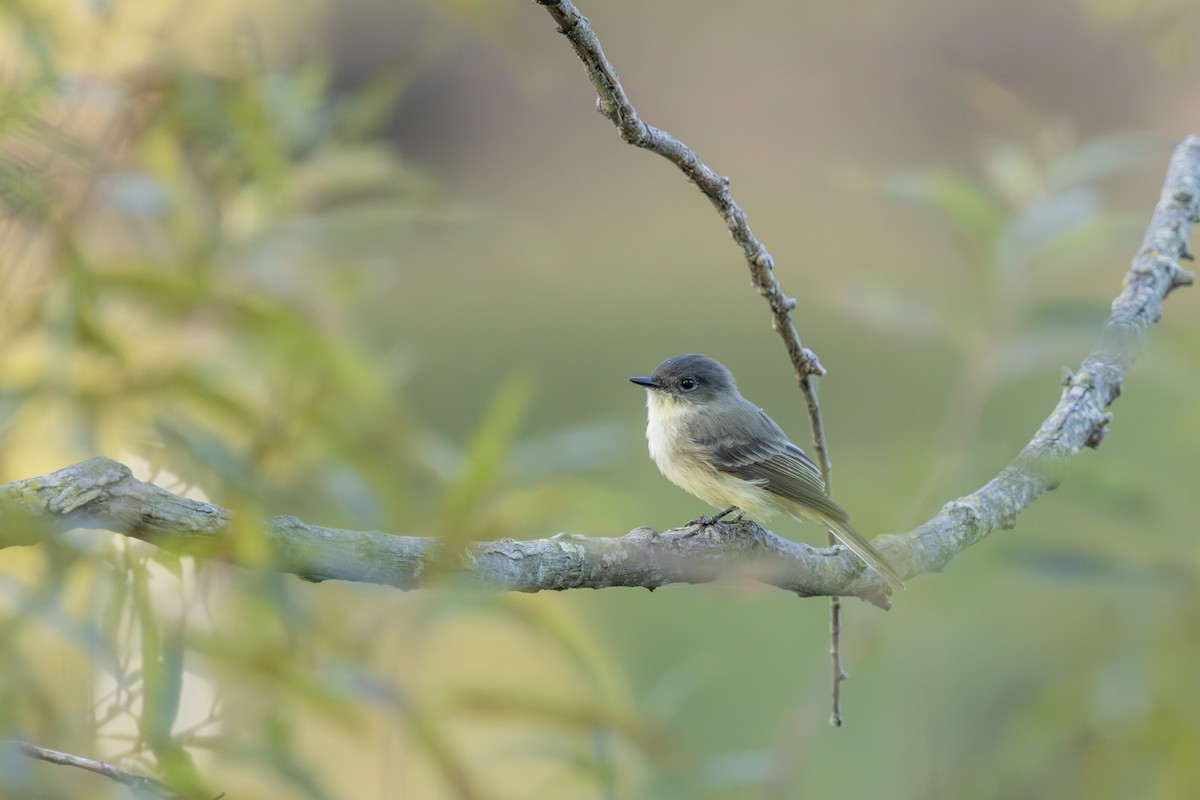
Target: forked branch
<point>100,493</point>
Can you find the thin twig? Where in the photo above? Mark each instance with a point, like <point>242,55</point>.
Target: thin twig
<point>140,783</point>
<point>838,674</point>
<point>614,104</point>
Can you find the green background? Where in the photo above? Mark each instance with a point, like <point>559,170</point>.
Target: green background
<point>382,265</point>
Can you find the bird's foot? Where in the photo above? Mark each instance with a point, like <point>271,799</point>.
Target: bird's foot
<point>700,523</point>
<point>708,522</point>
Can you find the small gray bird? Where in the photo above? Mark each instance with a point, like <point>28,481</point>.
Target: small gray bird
<point>715,444</point>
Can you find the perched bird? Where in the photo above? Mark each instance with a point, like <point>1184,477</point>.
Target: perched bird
<point>710,441</point>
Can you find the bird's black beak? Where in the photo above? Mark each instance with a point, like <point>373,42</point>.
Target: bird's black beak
<point>649,383</point>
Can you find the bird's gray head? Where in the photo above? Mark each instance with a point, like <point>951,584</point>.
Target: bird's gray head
<point>690,378</point>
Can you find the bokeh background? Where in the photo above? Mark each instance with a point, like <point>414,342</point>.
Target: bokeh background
<point>382,265</point>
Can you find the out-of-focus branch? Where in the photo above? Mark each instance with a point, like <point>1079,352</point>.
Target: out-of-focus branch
<point>142,785</point>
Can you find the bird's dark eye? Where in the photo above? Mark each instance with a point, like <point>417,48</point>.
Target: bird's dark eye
<point>687,384</point>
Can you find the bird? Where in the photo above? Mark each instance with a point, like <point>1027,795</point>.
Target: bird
<point>718,446</point>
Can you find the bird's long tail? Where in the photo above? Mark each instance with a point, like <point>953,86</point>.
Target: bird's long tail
<point>863,549</point>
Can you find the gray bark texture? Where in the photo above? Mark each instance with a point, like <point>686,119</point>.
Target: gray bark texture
<point>103,494</point>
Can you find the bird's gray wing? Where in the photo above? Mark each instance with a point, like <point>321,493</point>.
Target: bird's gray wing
<point>752,447</point>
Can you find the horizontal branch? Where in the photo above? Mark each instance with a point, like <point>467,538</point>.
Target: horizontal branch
<point>100,493</point>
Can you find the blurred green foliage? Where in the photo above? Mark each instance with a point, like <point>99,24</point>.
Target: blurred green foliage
<point>172,296</point>
<point>216,266</point>
<point>1025,220</point>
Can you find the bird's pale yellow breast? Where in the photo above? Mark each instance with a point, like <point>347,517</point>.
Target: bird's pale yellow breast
<point>682,462</point>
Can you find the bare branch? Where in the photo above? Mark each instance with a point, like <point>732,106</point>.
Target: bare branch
<point>614,104</point>
<point>1079,420</point>
<point>934,543</point>
<point>100,493</point>
<point>143,785</point>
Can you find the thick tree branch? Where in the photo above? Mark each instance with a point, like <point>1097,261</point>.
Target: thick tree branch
<point>100,493</point>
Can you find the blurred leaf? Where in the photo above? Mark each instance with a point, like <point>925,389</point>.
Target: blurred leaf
<point>37,36</point>
<point>1101,158</point>
<point>952,196</point>
<point>1165,27</point>
<point>740,770</point>
<point>173,291</point>
<point>887,309</point>
<point>1061,566</point>
<point>206,449</point>
<point>573,450</point>
<point>202,388</point>
<point>162,669</point>
<point>570,713</point>
<point>427,730</point>
<point>1044,351</point>
<point>592,661</point>
<point>171,563</point>
<point>1043,220</point>
<point>337,180</point>
<point>968,207</point>
<point>11,401</point>
<point>115,603</point>
<point>43,608</point>
<point>295,104</point>
<point>24,189</point>
<point>365,112</point>
<point>1013,172</point>
<point>484,457</point>
<point>277,750</point>
<point>267,661</point>
<point>351,493</point>
<point>1066,314</point>
<point>1086,242</point>
<point>133,193</point>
